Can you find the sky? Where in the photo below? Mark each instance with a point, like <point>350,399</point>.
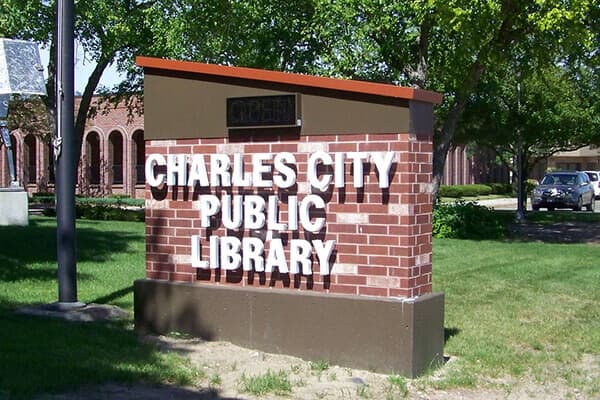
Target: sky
<point>83,69</point>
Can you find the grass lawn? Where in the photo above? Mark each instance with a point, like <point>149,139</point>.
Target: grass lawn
<point>45,355</point>
<point>513,309</point>
<point>520,309</point>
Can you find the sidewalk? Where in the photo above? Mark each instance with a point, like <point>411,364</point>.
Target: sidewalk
<point>509,203</point>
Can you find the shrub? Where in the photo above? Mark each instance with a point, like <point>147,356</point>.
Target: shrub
<point>116,200</point>
<point>500,188</point>
<point>466,220</point>
<point>42,198</point>
<point>108,213</point>
<point>456,191</point>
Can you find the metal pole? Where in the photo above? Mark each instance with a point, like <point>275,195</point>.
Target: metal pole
<point>65,162</point>
<point>520,195</point>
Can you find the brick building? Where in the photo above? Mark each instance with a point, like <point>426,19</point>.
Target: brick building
<point>112,157</point>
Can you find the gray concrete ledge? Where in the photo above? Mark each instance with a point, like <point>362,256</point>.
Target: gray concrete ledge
<point>84,313</point>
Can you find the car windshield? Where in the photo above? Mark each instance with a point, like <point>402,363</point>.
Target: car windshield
<point>562,179</point>
<point>593,176</point>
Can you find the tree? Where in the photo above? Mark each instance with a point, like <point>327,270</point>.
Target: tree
<point>263,34</point>
<point>447,46</point>
<point>543,110</point>
<point>109,31</point>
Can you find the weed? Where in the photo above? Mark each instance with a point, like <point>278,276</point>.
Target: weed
<point>319,366</point>
<point>362,391</point>
<point>296,368</point>
<point>397,386</point>
<point>270,382</point>
<point>215,380</point>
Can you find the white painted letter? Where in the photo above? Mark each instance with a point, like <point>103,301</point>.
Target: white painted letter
<point>198,171</point>
<point>227,209</point>
<point>357,159</point>
<point>152,161</point>
<point>176,165</point>
<point>219,170</point>
<point>311,170</point>
<point>340,178</point>
<point>273,215</point>
<point>258,169</point>
<point>252,254</point>
<point>230,252</point>
<point>300,252</point>
<point>240,178</point>
<point>293,213</point>
<point>276,257</point>
<point>196,253</point>
<point>323,254</point>
<point>287,176</point>
<point>214,252</point>
<point>318,202</point>
<point>383,161</point>
<point>254,212</point>
<point>209,206</point>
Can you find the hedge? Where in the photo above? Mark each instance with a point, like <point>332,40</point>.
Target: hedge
<point>457,191</point>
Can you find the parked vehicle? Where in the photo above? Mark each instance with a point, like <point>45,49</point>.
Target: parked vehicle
<point>564,190</point>
<point>595,180</point>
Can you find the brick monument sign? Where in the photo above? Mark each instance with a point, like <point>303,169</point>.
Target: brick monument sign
<point>290,213</point>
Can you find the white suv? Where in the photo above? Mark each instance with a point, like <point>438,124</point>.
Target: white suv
<point>595,181</point>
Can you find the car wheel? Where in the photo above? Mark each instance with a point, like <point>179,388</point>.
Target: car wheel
<point>579,204</point>
<point>535,208</point>
<point>590,207</point>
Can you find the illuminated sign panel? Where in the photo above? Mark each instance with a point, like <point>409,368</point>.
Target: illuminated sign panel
<point>262,111</point>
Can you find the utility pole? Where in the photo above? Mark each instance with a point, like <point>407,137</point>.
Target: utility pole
<point>64,152</point>
<point>520,195</point>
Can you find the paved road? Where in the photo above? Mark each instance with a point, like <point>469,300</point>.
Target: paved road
<point>511,204</point>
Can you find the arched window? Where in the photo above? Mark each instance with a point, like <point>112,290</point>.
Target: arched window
<point>116,153</point>
<point>93,157</point>
<point>51,177</point>
<point>140,156</point>
<point>30,155</point>
<point>14,151</point>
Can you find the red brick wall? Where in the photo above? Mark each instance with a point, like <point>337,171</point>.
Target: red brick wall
<point>383,237</point>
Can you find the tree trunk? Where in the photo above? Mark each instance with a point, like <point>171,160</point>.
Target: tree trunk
<point>85,103</point>
<point>446,134</point>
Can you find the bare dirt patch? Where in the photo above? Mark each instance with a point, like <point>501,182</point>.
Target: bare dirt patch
<point>223,366</point>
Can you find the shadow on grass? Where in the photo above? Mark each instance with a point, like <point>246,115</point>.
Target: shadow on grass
<point>45,356</point>
<point>22,247</point>
<point>450,332</point>
<point>114,295</point>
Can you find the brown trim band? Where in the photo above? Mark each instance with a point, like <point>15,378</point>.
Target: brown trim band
<point>252,74</point>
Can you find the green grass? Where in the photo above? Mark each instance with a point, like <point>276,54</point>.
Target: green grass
<point>319,365</point>
<point>269,382</point>
<point>518,308</point>
<point>513,308</point>
<point>45,355</point>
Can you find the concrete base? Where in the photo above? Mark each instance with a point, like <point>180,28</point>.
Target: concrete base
<point>14,204</point>
<point>383,335</point>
